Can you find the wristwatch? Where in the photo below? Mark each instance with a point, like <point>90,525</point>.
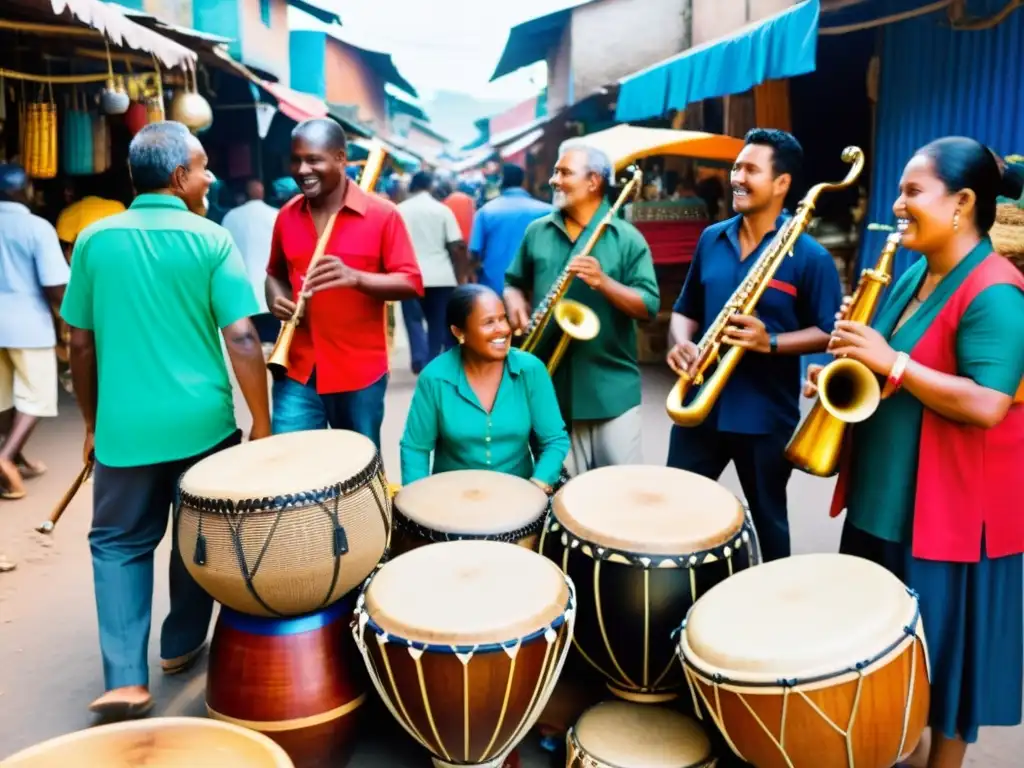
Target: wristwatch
<point>773,343</point>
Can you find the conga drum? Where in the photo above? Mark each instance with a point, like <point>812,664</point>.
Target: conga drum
<point>642,543</point>
<point>298,680</point>
<point>285,525</point>
<point>620,734</point>
<point>813,661</point>
<point>463,641</point>
<point>468,504</point>
<point>156,742</point>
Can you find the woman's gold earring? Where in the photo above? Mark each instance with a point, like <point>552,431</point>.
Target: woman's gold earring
<point>956,220</point>
<point>462,339</point>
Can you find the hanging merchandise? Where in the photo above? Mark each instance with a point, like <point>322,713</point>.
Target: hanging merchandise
<point>39,152</point>
<point>76,146</point>
<point>101,155</point>
<point>114,99</point>
<point>190,108</point>
<point>135,119</point>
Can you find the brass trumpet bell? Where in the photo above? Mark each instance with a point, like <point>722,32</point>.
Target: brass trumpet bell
<point>578,320</point>
<point>848,390</point>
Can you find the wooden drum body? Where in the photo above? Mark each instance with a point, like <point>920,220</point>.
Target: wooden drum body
<point>619,734</point>
<point>156,742</point>
<point>464,641</point>
<point>285,525</point>
<point>642,543</point>
<point>813,661</point>
<point>298,680</point>
<point>468,504</point>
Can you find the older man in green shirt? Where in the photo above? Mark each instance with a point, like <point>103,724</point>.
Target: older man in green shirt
<point>149,290</point>
<point>598,381</point>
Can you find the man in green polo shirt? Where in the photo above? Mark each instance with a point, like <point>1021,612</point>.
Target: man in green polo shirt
<point>149,290</point>
<point>598,381</point>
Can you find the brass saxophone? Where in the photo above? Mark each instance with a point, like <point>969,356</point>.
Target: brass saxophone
<point>278,360</point>
<point>743,301</point>
<point>848,392</point>
<point>576,320</point>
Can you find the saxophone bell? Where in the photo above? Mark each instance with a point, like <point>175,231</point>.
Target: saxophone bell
<point>848,390</point>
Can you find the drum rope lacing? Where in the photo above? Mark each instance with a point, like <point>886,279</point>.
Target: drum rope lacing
<point>545,683</point>
<point>234,514</point>
<point>744,537</point>
<point>911,630</point>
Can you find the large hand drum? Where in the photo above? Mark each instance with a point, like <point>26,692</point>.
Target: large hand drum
<point>468,504</point>
<point>642,543</point>
<point>159,742</point>
<point>815,661</point>
<point>464,642</point>
<point>285,525</point>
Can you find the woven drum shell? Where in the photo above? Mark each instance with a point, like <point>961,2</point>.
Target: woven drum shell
<point>286,540</point>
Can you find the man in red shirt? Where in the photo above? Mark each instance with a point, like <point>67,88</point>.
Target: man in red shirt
<point>338,363</point>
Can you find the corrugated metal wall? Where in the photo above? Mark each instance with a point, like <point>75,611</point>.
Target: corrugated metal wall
<point>937,82</point>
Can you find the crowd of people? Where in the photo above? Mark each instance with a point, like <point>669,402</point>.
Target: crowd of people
<point>929,482</point>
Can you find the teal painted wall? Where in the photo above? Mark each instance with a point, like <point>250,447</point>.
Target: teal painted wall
<point>219,17</point>
<point>309,62</point>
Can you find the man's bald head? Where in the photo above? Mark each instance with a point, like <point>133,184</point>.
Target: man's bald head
<point>321,133</point>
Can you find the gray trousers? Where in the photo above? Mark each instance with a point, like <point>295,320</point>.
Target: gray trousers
<point>605,442</point>
<point>131,506</point>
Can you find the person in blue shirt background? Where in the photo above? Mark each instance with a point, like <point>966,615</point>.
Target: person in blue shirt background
<point>499,227</point>
<point>758,410</point>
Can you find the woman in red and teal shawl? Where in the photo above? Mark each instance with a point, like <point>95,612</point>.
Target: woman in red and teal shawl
<point>932,482</point>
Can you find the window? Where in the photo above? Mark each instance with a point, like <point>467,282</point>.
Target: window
<point>265,12</point>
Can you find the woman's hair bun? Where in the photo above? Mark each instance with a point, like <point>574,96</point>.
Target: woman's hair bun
<point>1012,185</point>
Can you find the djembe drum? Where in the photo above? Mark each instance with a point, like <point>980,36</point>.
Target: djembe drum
<point>642,543</point>
<point>298,680</point>
<point>618,734</point>
<point>463,641</point>
<point>813,661</point>
<point>157,742</point>
<point>285,525</point>
<point>468,504</point>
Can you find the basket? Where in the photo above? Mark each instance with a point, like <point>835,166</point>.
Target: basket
<point>1008,233</point>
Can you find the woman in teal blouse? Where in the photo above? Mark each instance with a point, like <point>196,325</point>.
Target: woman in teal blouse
<point>483,404</point>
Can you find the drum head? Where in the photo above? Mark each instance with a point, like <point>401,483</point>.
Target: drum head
<point>633,735</point>
<point>472,501</point>
<point>278,465</point>
<point>159,742</point>
<point>797,618</point>
<point>466,593</point>
<point>648,510</point>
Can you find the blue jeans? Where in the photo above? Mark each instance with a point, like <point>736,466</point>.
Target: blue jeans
<point>130,510</point>
<point>299,407</point>
<point>427,343</point>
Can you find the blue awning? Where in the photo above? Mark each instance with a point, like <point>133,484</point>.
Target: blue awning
<point>778,47</point>
<point>531,41</point>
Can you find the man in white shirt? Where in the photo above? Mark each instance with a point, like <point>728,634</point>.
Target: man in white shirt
<point>441,254</point>
<point>33,274</point>
<point>252,226</point>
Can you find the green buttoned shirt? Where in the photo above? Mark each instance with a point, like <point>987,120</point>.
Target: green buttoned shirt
<point>155,284</point>
<point>447,420</point>
<point>597,379</point>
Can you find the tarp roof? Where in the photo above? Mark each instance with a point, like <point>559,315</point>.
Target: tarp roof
<point>530,41</point>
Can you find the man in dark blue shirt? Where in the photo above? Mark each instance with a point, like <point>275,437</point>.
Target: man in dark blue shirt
<point>759,407</point>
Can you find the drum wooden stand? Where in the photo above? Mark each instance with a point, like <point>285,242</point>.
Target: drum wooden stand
<point>181,742</point>
<point>297,680</point>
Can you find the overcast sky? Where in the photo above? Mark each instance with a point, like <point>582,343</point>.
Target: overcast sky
<point>444,44</point>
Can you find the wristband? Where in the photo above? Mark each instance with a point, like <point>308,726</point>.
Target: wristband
<point>773,344</point>
<point>899,368</point>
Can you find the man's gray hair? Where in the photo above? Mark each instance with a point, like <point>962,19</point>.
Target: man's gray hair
<point>598,161</point>
<point>156,152</point>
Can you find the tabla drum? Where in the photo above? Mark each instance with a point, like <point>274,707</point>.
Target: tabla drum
<point>464,641</point>
<point>642,543</point>
<point>299,680</point>
<point>620,734</point>
<point>285,525</point>
<point>813,661</point>
<point>156,742</point>
<point>468,504</point>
